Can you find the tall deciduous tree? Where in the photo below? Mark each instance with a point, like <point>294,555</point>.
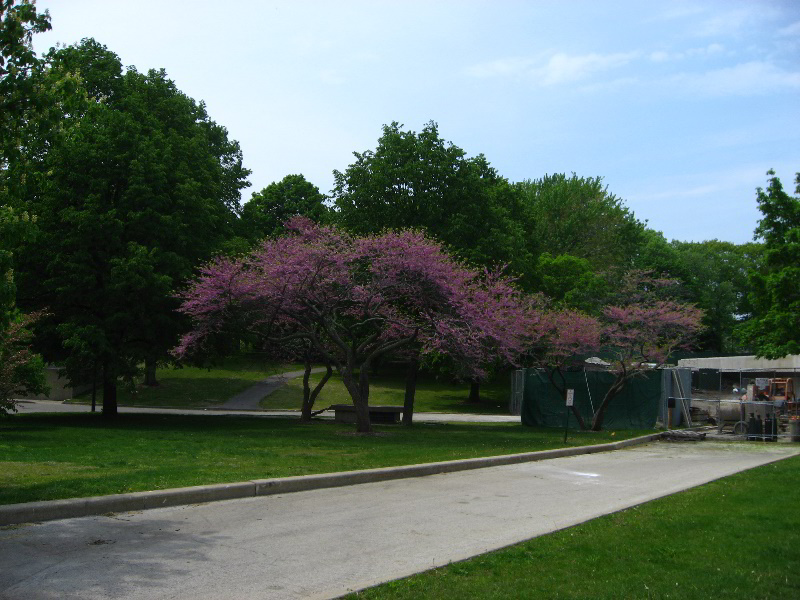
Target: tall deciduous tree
<point>774,292</point>
<point>419,180</point>
<point>143,186</point>
<point>267,210</point>
<point>354,299</point>
<point>580,217</point>
<point>20,369</point>
<point>713,276</point>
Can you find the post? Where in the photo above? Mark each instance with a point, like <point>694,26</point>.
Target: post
<point>569,403</point>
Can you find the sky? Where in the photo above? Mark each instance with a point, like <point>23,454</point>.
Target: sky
<point>681,107</point>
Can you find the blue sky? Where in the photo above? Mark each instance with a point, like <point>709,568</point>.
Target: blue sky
<point>680,106</point>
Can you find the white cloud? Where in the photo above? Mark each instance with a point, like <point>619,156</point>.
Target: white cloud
<point>702,52</point>
<point>562,68</point>
<point>661,56</point>
<point>558,68</point>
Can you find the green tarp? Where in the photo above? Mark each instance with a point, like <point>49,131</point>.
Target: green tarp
<point>636,407</point>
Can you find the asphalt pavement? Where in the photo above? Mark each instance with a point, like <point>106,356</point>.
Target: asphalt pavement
<point>326,542</point>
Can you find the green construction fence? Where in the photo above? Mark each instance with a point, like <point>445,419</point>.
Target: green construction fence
<point>637,406</point>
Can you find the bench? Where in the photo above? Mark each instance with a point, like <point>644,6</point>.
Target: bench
<point>346,413</point>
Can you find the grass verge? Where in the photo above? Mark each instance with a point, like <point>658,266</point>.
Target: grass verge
<point>431,395</point>
<point>736,538</point>
<point>52,456</point>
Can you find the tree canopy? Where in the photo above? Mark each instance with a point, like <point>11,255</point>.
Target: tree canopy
<point>355,299</point>
<point>419,180</point>
<point>578,216</point>
<point>267,211</point>
<point>774,291</point>
<point>142,186</point>
<point>21,370</point>
<point>638,330</point>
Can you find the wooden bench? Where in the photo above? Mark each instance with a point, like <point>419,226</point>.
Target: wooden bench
<point>346,413</point>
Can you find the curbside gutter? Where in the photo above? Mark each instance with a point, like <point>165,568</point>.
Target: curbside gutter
<point>49,510</point>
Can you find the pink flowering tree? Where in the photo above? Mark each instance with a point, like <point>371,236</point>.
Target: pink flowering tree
<point>641,337</point>
<point>560,337</point>
<point>491,329</point>
<point>637,332</point>
<point>353,300</point>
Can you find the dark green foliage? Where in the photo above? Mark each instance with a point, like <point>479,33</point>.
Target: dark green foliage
<point>570,281</point>
<point>267,211</point>
<point>774,291</point>
<point>18,23</point>
<point>20,369</point>
<point>142,187</point>
<point>419,180</point>
<point>713,276</point>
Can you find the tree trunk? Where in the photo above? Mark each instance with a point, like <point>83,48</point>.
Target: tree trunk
<point>309,395</point>
<point>150,372</point>
<point>474,391</point>
<point>109,393</point>
<point>360,400</point>
<point>600,413</point>
<point>411,390</point>
<point>94,387</point>
<point>308,403</point>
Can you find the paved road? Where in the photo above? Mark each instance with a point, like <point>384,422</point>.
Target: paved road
<point>39,406</point>
<point>322,543</point>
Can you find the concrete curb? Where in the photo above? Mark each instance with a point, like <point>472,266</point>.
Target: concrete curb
<point>13,514</point>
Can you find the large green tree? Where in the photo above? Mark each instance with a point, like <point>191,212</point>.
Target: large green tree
<point>418,180</point>
<point>20,105</point>
<point>578,216</point>
<point>18,23</point>
<point>142,187</point>
<point>267,211</point>
<point>714,275</point>
<point>774,291</point>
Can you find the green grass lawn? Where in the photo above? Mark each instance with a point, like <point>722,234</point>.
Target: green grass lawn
<point>737,538</point>
<point>50,456</point>
<point>194,387</point>
<point>431,395</point>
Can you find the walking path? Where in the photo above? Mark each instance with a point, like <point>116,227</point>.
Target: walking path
<point>250,398</point>
<point>326,542</point>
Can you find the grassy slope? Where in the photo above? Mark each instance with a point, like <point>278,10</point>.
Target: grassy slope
<point>44,457</point>
<point>736,538</point>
